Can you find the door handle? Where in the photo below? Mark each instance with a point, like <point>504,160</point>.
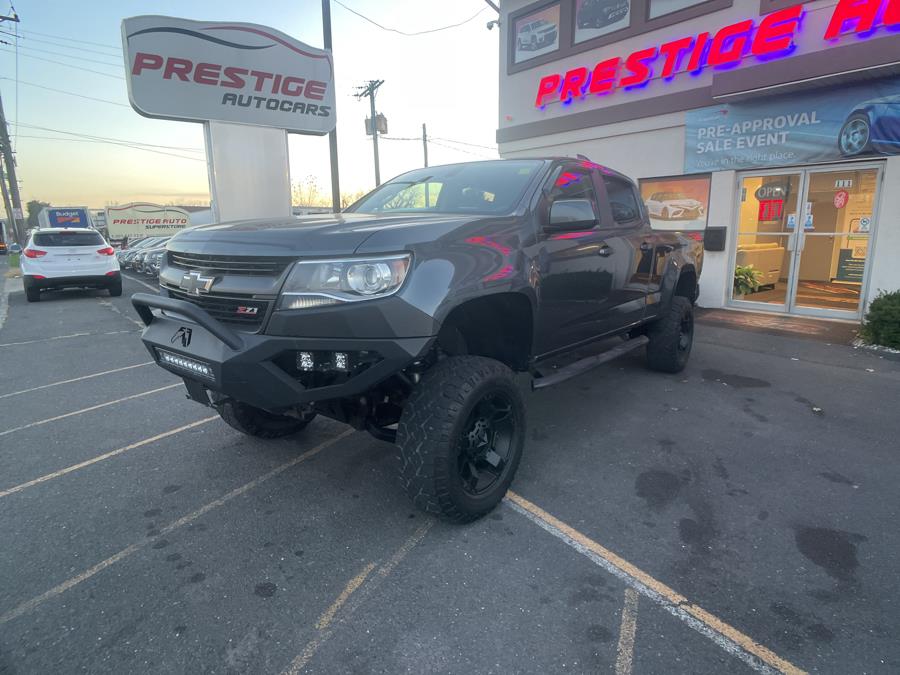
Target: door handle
<point>646,246</point>
<point>605,251</point>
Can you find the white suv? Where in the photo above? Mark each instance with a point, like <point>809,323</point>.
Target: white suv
<point>68,257</point>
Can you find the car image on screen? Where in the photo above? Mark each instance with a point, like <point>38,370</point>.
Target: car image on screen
<point>674,206</point>
<point>872,127</point>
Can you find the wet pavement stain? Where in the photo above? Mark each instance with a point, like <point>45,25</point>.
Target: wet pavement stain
<point>835,477</point>
<point>180,630</point>
<point>197,578</point>
<point>657,488</point>
<point>169,489</point>
<point>173,557</point>
<point>736,381</point>
<point>162,543</point>
<point>832,550</point>
<point>265,590</point>
<point>598,633</point>
<point>152,513</point>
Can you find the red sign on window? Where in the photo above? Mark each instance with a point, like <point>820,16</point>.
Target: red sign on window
<point>771,209</point>
<point>841,197</point>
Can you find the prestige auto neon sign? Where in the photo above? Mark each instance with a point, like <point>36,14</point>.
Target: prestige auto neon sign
<point>772,37</point>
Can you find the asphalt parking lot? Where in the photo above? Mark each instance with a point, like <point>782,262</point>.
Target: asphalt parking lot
<point>739,517</point>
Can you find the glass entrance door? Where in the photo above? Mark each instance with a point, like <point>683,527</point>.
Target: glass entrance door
<point>765,252</point>
<point>804,240</point>
<point>833,244</point>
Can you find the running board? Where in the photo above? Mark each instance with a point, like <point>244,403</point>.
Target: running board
<point>587,364</point>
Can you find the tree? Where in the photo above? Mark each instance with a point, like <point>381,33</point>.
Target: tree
<point>308,193</point>
<point>347,198</point>
<point>34,208</point>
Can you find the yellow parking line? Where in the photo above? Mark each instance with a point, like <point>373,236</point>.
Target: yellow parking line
<point>59,589</point>
<point>357,581</point>
<point>627,631</point>
<point>727,637</point>
<point>76,379</point>
<point>365,581</point>
<point>106,455</point>
<point>89,409</point>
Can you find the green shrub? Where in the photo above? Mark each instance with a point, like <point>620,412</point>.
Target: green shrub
<point>882,324</point>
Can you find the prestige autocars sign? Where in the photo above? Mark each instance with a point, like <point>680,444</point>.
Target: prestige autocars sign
<point>140,219</point>
<point>229,72</point>
<point>768,38</point>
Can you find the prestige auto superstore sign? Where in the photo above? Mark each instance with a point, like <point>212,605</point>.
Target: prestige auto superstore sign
<point>229,72</point>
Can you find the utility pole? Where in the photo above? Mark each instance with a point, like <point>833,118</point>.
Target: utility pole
<point>425,143</point>
<point>332,135</point>
<point>6,150</point>
<point>369,90</point>
<point>9,233</point>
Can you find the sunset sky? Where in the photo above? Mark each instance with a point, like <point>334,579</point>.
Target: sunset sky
<point>446,79</point>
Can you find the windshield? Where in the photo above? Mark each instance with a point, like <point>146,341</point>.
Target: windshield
<point>667,196</point>
<point>477,187</point>
<point>68,238</point>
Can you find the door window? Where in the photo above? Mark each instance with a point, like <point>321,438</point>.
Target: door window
<point>623,201</point>
<point>573,183</point>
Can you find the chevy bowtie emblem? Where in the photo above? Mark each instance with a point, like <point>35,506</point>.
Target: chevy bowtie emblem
<point>195,283</point>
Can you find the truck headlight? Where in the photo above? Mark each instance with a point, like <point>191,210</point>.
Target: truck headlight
<point>318,283</point>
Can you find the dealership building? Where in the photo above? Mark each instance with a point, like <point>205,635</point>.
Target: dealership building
<point>774,125</point>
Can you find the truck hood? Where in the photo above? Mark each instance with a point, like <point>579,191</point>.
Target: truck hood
<point>316,235</point>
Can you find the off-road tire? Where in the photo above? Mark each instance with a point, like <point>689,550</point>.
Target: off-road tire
<point>32,293</point>
<point>115,290</point>
<point>669,349</point>
<point>430,435</point>
<point>260,423</point>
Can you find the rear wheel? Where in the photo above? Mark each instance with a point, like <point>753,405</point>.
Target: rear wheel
<point>115,289</point>
<point>672,337</point>
<point>460,438</point>
<point>32,292</point>
<point>260,423</point>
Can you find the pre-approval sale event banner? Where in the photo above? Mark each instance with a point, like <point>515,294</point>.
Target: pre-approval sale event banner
<point>805,128</point>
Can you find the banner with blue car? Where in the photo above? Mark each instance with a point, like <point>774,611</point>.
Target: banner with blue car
<point>804,128</point>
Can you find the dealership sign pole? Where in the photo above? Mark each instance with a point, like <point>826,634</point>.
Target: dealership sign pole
<point>249,85</point>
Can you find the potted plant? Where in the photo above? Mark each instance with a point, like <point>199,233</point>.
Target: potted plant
<point>746,280</point>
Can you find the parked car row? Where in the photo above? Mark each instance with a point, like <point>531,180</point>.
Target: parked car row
<point>144,256</point>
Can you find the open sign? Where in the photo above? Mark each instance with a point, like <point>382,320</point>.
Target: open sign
<point>771,192</point>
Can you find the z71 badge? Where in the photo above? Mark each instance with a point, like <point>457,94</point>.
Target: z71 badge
<point>247,311</point>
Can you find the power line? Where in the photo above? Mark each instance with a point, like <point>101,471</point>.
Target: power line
<point>410,34</point>
<point>468,152</point>
<point>123,145</point>
<point>68,65</point>
<point>70,93</point>
<point>41,50</point>
<point>107,138</point>
<point>473,145</point>
<point>71,39</point>
<point>29,40</point>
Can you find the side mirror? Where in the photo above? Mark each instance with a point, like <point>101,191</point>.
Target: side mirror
<point>572,214</point>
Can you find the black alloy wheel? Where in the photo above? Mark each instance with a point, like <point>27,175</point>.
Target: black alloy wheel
<point>485,442</point>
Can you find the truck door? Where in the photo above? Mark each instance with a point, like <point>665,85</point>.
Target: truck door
<point>575,277</point>
<point>628,254</point>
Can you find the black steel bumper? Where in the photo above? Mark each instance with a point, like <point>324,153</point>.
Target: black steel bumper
<point>242,365</point>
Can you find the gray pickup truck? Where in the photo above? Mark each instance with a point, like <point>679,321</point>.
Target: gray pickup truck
<point>409,314</point>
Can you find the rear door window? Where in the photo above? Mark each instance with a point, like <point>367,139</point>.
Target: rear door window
<point>70,238</point>
<point>623,201</point>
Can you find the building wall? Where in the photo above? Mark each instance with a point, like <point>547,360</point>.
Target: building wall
<point>653,145</point>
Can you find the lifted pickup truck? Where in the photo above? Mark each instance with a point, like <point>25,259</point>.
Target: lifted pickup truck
<point>408,314</point>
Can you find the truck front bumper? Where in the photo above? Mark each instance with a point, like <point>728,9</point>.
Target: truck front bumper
<point>259,369</point>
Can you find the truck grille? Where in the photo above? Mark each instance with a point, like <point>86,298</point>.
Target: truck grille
<point>234,310</point>
<point>261,266</point>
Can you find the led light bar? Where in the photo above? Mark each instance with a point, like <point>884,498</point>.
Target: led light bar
<point>188,365</point>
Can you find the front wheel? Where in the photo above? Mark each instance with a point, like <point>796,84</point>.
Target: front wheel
<point>258,422</point>
<point>460,438</point>
<point>672,337</point>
